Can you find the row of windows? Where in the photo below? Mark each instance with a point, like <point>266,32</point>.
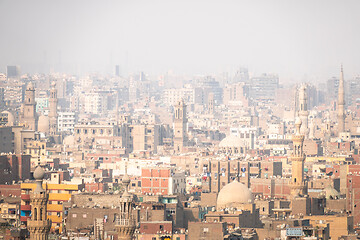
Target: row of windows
<point>93,131</point>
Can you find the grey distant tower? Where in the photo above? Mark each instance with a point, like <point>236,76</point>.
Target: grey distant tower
<point>341,104</point>
<point>125,224</point>
<point>53,116</point>
<point>180,125</point>
<point>39,225</point>
<point>303,110</point>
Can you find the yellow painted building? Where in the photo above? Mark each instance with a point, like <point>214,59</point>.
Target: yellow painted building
<point>58,194</point>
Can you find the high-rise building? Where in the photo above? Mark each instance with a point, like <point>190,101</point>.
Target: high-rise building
<point>12,71</point>
<point>180,126</point>
<point>39,225</point>
<point>263,88</point>
<point>117,70</point>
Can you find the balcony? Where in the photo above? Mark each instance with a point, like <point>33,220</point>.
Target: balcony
<point>54,208</point>
<point>24,219</point>
<point>26,207</point>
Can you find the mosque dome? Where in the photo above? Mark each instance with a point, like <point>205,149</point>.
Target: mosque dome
<point>10,116</point>
<point>234,195</point>
<point>230,142</point>
<point>39,173</point>
<point>44,124</point>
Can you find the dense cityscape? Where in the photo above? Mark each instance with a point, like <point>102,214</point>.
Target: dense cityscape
<point>179,120</point>
<point>171,157</point>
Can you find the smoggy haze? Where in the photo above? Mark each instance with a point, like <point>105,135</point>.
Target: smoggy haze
<point>297,39</point>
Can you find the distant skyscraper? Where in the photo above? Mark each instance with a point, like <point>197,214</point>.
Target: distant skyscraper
<point>332,86</point>
<point>341,104</point>
<point>117,70</point>
<point>12,71</point>
<point>242,75</point>
<point>264,88</point>
<point>180,125</point>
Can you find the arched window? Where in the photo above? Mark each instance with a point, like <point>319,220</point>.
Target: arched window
<point>35,214</point>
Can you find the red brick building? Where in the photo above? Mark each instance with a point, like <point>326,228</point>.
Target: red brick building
<point>162,181</point>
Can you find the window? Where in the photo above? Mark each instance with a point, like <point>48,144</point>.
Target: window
<point>206,230</point>
<point>74,215</point>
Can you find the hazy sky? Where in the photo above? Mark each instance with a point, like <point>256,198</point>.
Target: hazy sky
<point>303,39</point>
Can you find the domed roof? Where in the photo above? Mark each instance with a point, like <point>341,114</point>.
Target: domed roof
<point>331,193</point>
<point>11,118</point>
<point>233,195</point>
<point>231,141</point>
<point>44,124</point>
<point>39,173</point>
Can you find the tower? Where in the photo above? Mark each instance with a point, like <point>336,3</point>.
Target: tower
<point>53,109</point>
<point>303,110</point>
<point>211,103</point>
<point>28,116</point>
<point>298,187</point>
<point>125,224</point>
<point>341,104</point>
<point>180,122</point>
<point>39,225</point>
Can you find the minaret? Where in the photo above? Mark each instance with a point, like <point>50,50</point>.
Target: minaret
<point>125,225</point>
<point>298,187</point>
<point>28,116</point>
<point>53,116</point>
<point>303,110</point>
<point>341,104</point>
<point>39,225</point>
<point>211,103</point>
<point>180,124</point>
